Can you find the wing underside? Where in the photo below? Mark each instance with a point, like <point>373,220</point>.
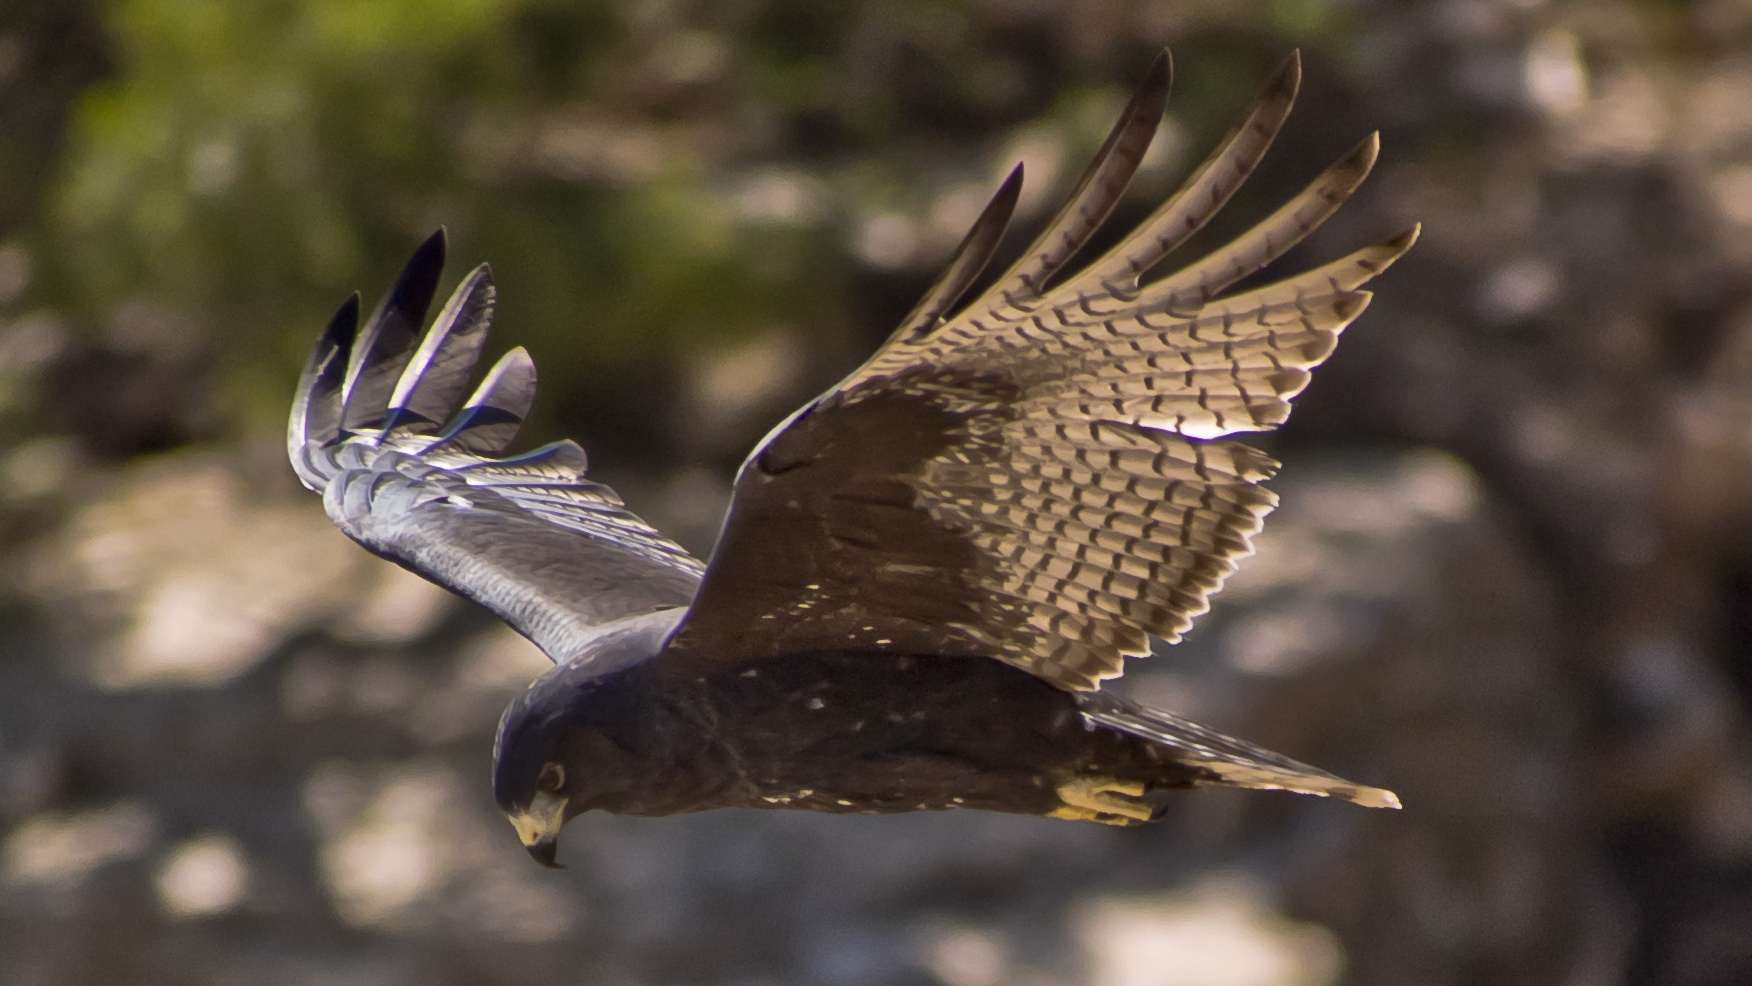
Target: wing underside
<point>1047,475</point>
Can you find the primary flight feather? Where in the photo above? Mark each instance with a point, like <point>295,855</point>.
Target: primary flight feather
<point>925,573</point>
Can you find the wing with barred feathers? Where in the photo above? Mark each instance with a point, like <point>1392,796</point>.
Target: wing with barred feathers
<point>406,467</point>
<point>1045,476</point>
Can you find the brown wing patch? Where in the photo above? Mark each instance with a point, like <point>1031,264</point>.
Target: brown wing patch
<point>1047,477</point>
<point>828,544</point>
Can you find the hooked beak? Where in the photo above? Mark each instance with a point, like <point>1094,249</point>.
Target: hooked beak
<point>544,852</point>
<point>538,828</point>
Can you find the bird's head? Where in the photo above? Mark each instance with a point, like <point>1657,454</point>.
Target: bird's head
<point>562,746</point>
<point>543,758</point>
<point>530,780</point>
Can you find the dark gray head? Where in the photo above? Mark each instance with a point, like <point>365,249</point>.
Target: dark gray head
<point>553,736</point>
<point>530,780</point>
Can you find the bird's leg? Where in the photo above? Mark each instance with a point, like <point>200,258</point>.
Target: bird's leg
<point>1108,800</point>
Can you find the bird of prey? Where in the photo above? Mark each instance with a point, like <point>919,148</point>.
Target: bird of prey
<point>925,573</point>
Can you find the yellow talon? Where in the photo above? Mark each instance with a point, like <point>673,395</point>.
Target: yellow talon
<point>1108,800</point>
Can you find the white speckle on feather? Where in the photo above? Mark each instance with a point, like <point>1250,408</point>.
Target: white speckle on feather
<point>884,642</point>
<point>816,703</point>
<point>750,673</point>
<point>806,792</point>
<point>959,801</point>
<point>843,803</point>
<point>813,586</point>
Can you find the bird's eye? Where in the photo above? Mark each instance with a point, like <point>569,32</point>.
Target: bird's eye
<point>552,778</point>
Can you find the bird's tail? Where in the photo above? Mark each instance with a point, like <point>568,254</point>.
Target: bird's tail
<point>1229,761</point>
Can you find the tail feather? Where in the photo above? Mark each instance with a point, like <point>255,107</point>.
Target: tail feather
<point>1229,760</point>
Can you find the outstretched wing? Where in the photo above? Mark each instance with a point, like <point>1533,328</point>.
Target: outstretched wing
<point>406,468</point>
<point>1044,477</point>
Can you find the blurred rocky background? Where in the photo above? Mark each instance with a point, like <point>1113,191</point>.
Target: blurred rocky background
<point>1512,577</point>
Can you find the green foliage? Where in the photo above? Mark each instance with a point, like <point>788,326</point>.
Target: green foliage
<point>248,163</point>
<point>244,165</point>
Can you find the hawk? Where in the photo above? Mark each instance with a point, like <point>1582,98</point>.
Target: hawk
<point>925,573</point>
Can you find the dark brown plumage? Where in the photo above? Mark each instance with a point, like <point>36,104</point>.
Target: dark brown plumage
<point>924,573</point>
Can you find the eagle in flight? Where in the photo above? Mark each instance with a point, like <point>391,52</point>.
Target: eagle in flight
<point>925,573</point>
